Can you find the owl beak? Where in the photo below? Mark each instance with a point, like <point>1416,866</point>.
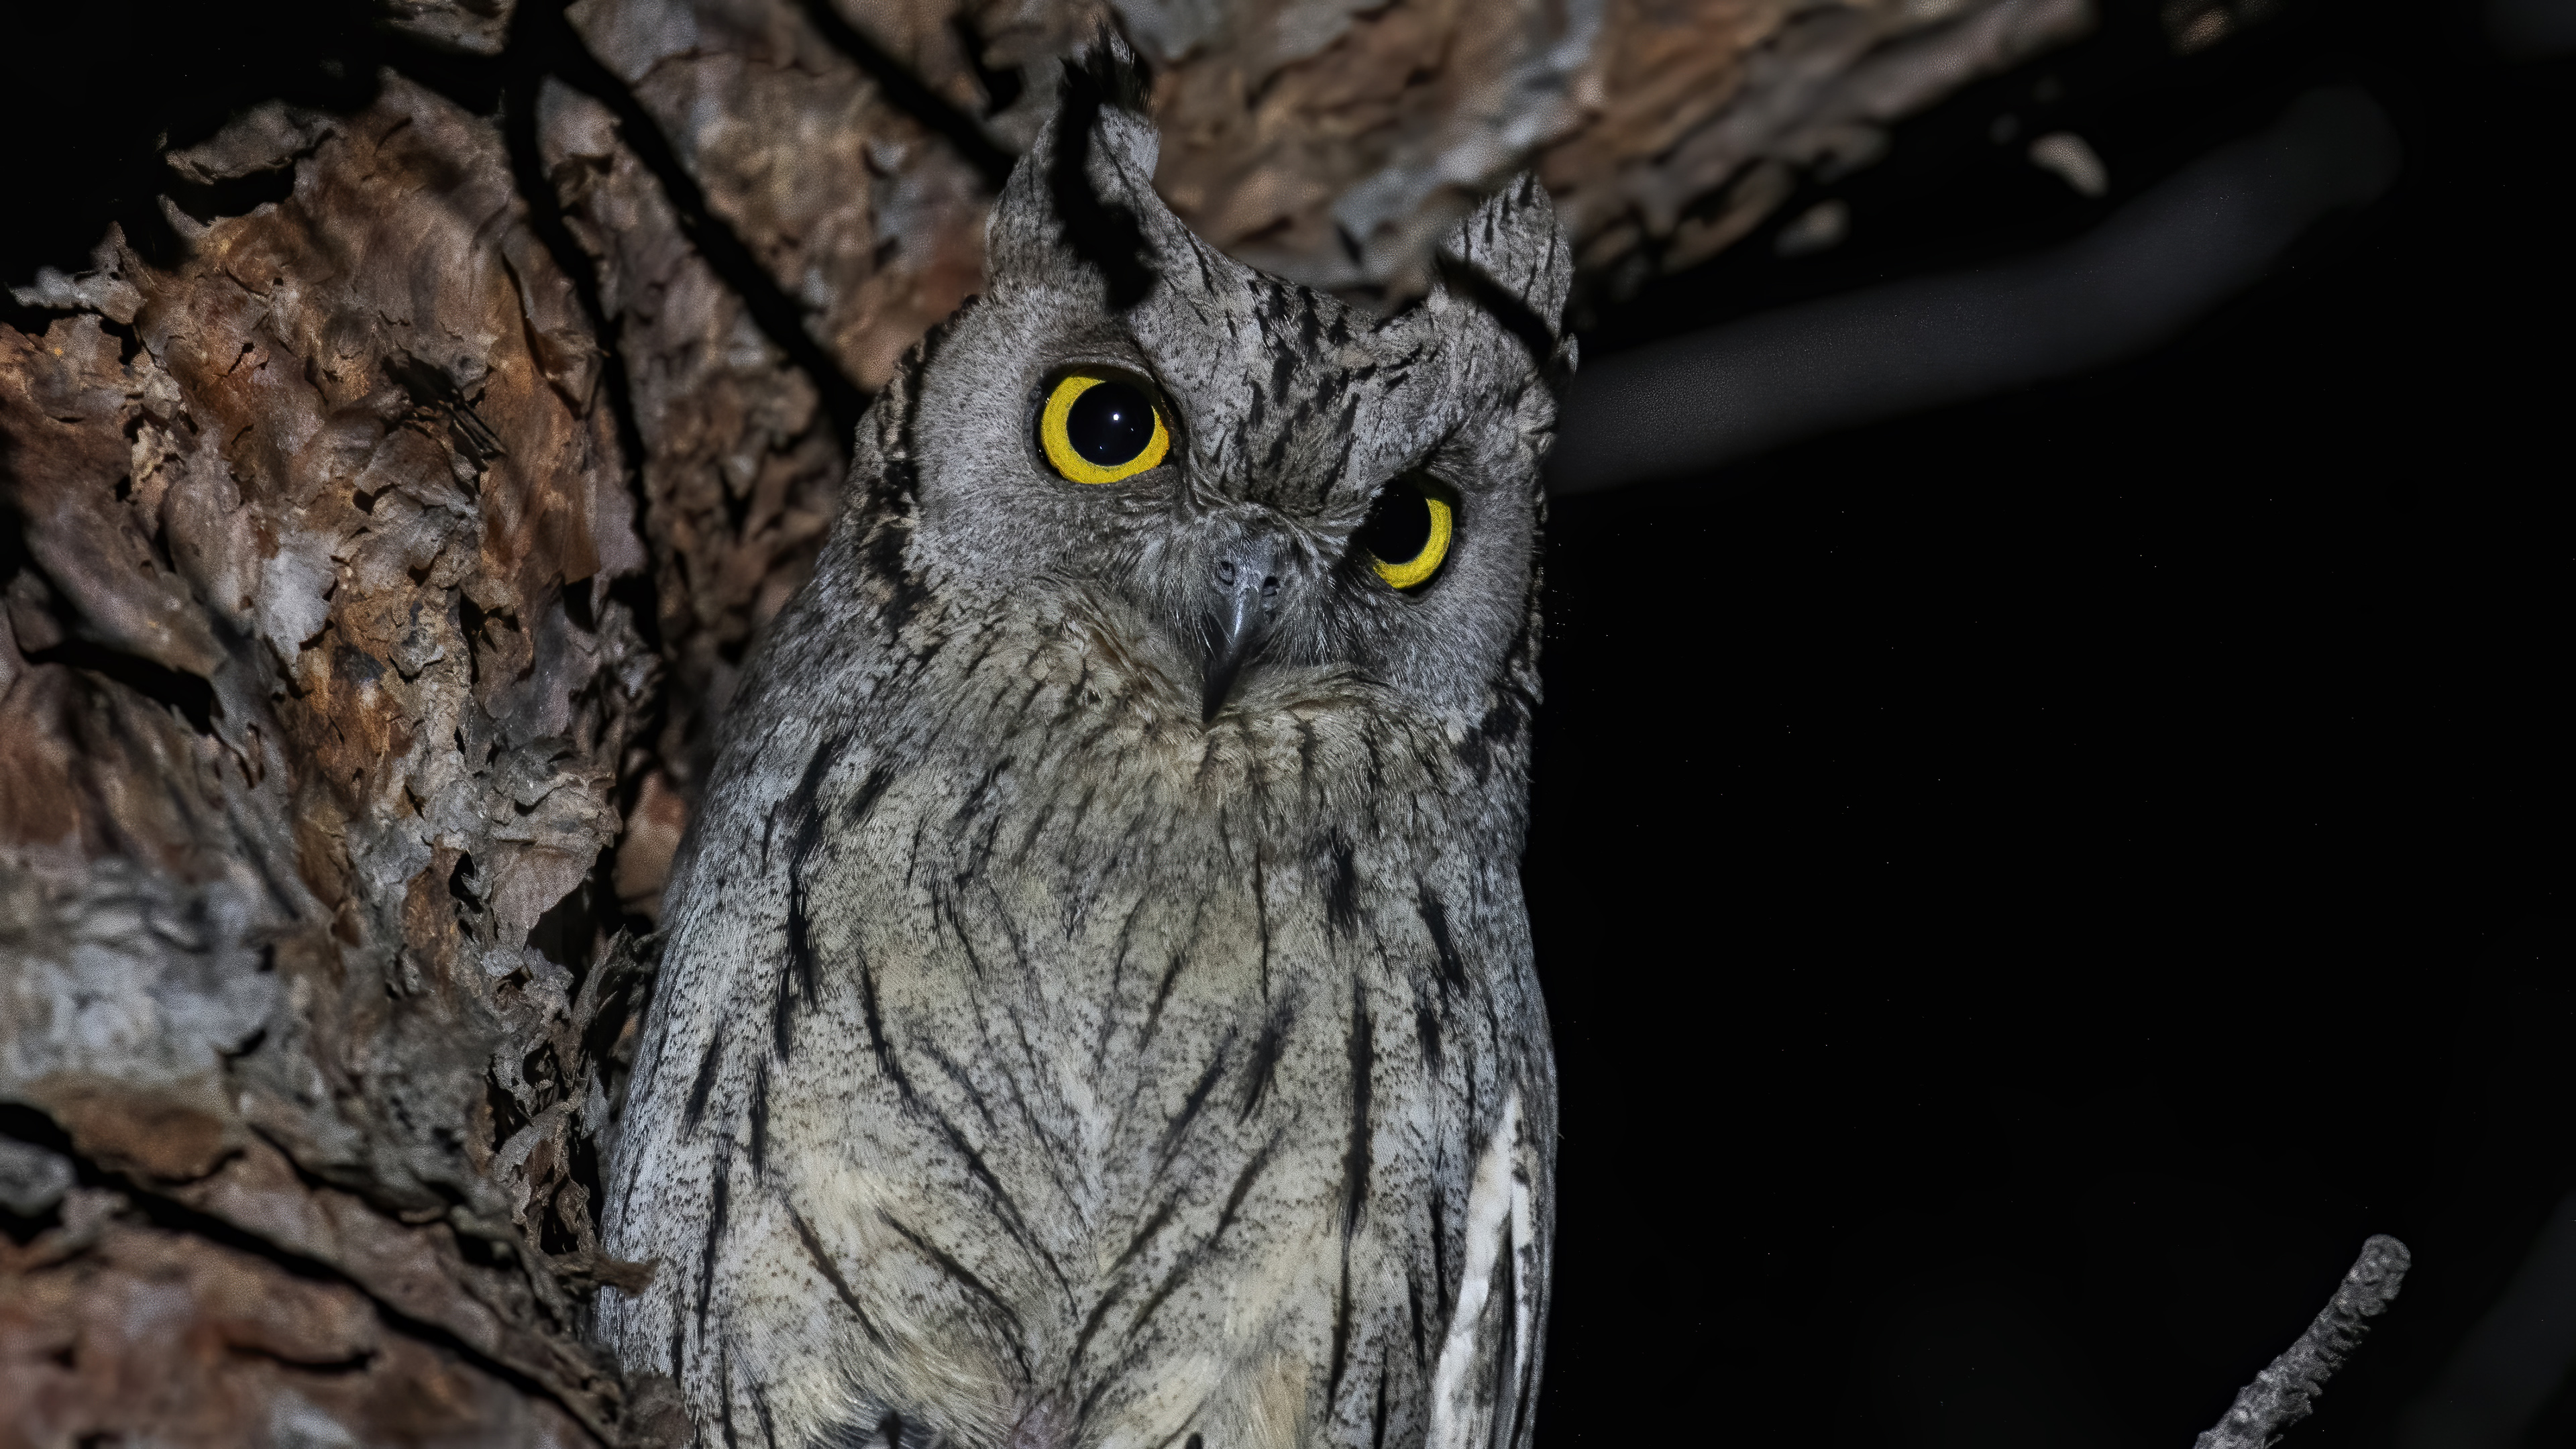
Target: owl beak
<point>1247,591</point>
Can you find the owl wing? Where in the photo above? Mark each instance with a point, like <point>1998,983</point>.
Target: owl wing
<point>1487,1376</point>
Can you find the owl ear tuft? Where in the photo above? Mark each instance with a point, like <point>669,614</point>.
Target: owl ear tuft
<point>1112,72</point>
<point>1509,258</point>
<point>1084,194</point>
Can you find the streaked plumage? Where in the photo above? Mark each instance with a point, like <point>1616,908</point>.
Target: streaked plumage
<point>1063,1039</point>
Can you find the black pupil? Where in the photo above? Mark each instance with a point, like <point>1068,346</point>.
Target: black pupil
<point>1399,524</point>
<point>1110,423</point>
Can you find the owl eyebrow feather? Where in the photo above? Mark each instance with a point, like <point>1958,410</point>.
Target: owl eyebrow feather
<point>1342,464</point>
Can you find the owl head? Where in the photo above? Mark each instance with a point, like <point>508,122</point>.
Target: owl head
<point>1259,487</point>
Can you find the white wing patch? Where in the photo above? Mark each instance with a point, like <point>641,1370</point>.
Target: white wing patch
<point>1499,1220</point>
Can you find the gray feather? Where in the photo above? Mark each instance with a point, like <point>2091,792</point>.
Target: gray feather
<point>1041,1059</point>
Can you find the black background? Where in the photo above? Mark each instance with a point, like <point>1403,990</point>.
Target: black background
<point>2025,890</point>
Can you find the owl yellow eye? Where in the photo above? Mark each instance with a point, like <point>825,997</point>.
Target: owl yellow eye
<point>1097,429</point>
<point>1407,532</point>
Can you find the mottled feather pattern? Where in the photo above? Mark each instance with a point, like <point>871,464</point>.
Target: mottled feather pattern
<point>1042,1056</point>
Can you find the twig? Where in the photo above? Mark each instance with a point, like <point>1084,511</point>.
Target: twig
<point>2286,1392</point>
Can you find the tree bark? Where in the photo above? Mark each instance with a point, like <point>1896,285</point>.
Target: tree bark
<point>378,560</point>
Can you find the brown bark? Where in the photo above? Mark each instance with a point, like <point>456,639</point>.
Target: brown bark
<point>376,571</point>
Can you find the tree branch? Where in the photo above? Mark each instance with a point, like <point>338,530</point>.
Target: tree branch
<point>2286,1392</point>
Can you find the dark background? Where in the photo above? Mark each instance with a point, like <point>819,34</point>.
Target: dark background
<point>2023,890</point>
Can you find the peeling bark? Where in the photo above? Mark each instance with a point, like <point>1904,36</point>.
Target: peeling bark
<point>316,707</point>
<point>374,572</point>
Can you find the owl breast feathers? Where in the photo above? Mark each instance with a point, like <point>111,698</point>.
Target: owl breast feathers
<point>1097,1004</point>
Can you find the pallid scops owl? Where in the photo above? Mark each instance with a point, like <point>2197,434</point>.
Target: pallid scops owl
<point>1097,1006</point>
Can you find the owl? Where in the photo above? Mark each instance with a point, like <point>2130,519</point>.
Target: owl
<point>1097,1004</point>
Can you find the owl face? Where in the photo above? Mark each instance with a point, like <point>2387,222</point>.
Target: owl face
<point>1256,488</point>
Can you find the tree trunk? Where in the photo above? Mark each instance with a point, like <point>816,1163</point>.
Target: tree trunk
<point>383,543</point>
